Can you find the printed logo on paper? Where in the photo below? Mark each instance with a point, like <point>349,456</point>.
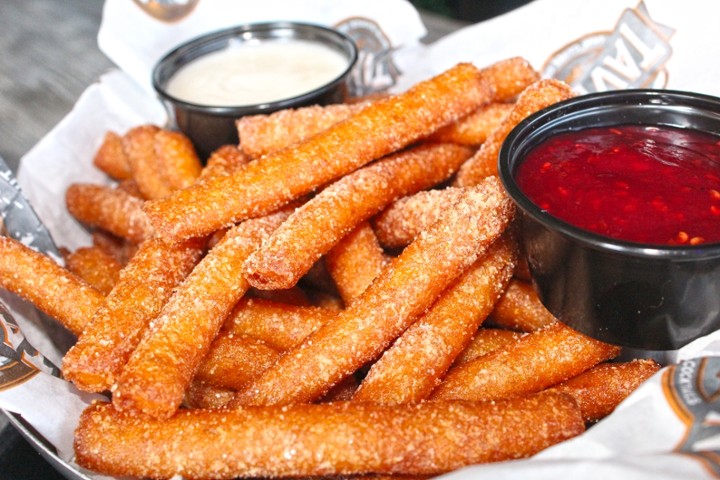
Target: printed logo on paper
<point>632,55</point>
<point>375,70</point>
<point>692,388</point>
<point>19,361</point>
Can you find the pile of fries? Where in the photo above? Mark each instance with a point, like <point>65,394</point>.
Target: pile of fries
<point>339,294</point>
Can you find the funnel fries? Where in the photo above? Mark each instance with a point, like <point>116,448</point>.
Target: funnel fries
<point>111,209</point>
<point>308,440</point>
<point>415,364</point>
<point>159,371</point>
<point>317,226</point>
<point>264,185</point>
<point>539,95</point>
<point>51,288</point>
<point>533,363</point>
<point>114,331</point>
<point>403,291</point>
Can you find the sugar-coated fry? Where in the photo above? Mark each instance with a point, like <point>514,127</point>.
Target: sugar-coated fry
<point>475,128</point>
<point>206,396</point>
<point>178,162</point>
<point>537,96</point>
<point>131,187</point>
<point>279,325</point>
<point>267,133</point>
<point>509,77</point>
<point>404,219</point>
<point>110,209</point>
<point>235,360</point>
<point>95,266</point>
<point>315,440</point>
<point>313,229</point>
<point>223,161</point>
<point>599,390</point>
<point>159,371</point>
<point>414,365</point>
<point>536,361</point>
<point>43,282</point>
<point>355,262</point>
<point>385,126</point>
<point>114,331</point>
<point>139,146</point>
<point>485,341</point>
<point>403,291</point>
<point>520,309</point>
<point>111,158</point>
<point>119,248</point>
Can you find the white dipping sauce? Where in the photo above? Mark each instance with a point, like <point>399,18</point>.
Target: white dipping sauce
<point>249,73</point>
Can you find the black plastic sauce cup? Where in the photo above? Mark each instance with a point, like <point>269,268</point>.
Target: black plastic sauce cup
<point>211,126</point>
<point>646,297</point>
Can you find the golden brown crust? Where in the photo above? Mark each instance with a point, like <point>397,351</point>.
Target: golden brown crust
<point>537,96</point>
<point>264,185</point>
<point>95,266</point>
<point>415,364</point>
<point>178,162</point>
<point>51,288</point>
<point>485,341</point>
<point>160,369</point>
<point>338,438</point>
<point>355,262</point>
<point>475,128</point>
<point>599,390</point>
<point>520,309</point>
<point>533,363</point>
<point>111,209</point>
<point>114,331</point>
<point>313,229</point>
<point>403,291</point>
<point>263,134</point>
<point>111,159</point>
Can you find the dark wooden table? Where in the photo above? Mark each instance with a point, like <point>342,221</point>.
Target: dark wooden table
<point>48,56</point>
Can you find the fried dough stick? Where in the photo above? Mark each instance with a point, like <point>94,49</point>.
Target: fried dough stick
<point>159,371</point>
<point>53,289</point>
<point>485,341</point>
<point>520,309</point>
<point>311,440</point>
<point>408,286</point>
<point>355,262</point>
<point>475,128</point>
<point>111,159</point>
<point>414,365</point>
<point>536,361</point>
<point>139,147</point>
<point>279,325</point>
<point>599,390</point>
<point>95,266</point>
<point>94,363</point>
<point>233,361</point>
<point>404,219</point>
<point>537,96</point>
<point>317,226</point>
<point>223,161</point>
<point>267,133</point>
<point>509,77</point>
<point>179,164</point>
<point>111,209</point>
<point>264,134</point>
<point>264,185</point>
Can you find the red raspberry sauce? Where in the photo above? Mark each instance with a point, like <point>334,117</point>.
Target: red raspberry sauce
<point>652,185</point>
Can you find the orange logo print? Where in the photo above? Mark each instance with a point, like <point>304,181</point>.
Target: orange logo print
<point>632,55</point>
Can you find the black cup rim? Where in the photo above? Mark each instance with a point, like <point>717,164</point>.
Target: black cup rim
<point>204,43</point>
<point>544,119</point>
